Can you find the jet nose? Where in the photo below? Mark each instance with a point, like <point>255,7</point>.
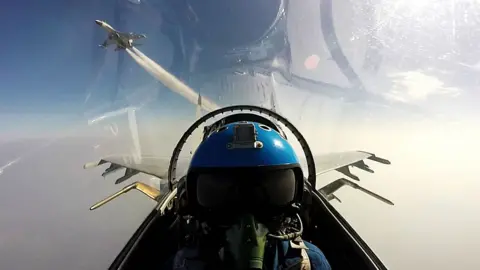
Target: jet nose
<point>99,22</point>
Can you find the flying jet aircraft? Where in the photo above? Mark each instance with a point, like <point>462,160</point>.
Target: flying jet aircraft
<point>322,224</point>
<point>123,40</point>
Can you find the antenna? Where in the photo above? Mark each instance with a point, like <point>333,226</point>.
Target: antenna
<point>136,150</point>
<point>198,136</point>
<point>273,101</point>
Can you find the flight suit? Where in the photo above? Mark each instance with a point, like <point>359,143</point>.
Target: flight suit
<point>299,256</point>
<point>285,255</point>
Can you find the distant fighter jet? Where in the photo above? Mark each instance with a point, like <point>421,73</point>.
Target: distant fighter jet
<point>123,40</point>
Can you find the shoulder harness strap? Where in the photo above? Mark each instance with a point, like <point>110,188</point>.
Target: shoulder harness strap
<point>298,243</point>
<point>293,255</point>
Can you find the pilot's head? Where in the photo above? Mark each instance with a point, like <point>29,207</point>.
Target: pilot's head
<point>245,177</point>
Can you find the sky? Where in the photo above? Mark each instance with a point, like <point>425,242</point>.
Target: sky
<point>65,101</point>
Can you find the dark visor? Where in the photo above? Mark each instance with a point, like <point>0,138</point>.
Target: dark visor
<point>267,189</point>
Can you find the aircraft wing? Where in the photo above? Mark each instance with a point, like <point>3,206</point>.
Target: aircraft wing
<point>151,165</point>
<point>137,36</point>
<point>108,42</point>
<point>133,35</point>
<point>158,166</point>
<point>342,160</point>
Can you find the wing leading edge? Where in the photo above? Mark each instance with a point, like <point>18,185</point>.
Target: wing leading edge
<point>158,167</point>
<point>341,162</point>
<point>151,165</point>
<point>107,43</point>
<point>132,35</point>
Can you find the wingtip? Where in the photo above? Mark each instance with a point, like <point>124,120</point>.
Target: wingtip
<point>387,201</point>
<point>90,165</point>
<point>376,158</point>
<point>94,164</point>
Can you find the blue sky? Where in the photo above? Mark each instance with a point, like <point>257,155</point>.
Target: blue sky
<point>51,61</point>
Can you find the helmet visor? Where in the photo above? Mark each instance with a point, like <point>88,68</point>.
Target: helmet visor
<point>249,191</point>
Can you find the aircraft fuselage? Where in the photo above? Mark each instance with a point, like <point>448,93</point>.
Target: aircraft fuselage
<point>105,26</point>
<point>122,40</point>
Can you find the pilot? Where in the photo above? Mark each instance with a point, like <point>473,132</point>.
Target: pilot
<point>242,197</point>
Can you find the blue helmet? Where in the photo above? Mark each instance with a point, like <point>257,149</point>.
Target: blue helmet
<point>244,144</point>
<point>250,157</point>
